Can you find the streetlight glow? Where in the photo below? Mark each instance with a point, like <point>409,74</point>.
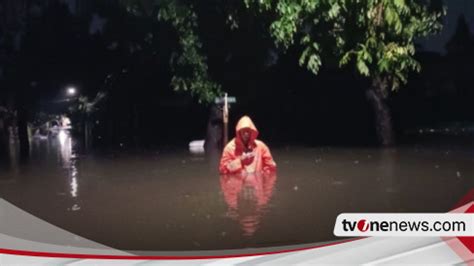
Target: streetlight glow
<point>71,91</point>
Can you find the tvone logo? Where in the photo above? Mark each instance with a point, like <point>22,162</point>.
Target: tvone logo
<point>363,225</point>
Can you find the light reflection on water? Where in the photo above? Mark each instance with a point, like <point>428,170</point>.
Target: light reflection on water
<point>68,160</point>
<point>59,147</point>
<point>173,200</point>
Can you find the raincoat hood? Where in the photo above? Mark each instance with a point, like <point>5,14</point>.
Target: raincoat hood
<point>245,122</point>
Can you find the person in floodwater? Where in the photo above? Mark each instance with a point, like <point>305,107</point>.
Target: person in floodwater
<point>245,154</point>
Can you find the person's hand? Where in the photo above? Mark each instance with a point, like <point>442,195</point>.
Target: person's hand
<point>247,158</point>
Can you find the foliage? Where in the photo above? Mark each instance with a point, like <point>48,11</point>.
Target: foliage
<point>189,65</point>
<point>377,36</point>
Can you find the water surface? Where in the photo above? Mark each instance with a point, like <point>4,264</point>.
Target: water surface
<point>174,200</point>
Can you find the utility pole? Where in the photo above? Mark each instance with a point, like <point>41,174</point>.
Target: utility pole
<point>225,102</point>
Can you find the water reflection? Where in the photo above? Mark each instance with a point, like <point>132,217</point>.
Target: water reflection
<point>386,175</point>
<point>247,198</point>
<point>68,161</point>
<point>65,150</point>
<point>74,183</point>
<point>13,156</point>
<point>61,147</point>
<point>169,200</point>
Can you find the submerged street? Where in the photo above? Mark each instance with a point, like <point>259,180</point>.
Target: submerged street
<point>173,200</point>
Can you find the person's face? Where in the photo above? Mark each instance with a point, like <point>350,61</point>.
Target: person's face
<point>245,134</point>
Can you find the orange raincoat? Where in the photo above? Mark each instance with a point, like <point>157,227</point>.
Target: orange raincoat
<point>247,198</point>
<point>232,161</point>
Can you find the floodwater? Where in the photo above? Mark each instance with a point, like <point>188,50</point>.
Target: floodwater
<point>174,200</point>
